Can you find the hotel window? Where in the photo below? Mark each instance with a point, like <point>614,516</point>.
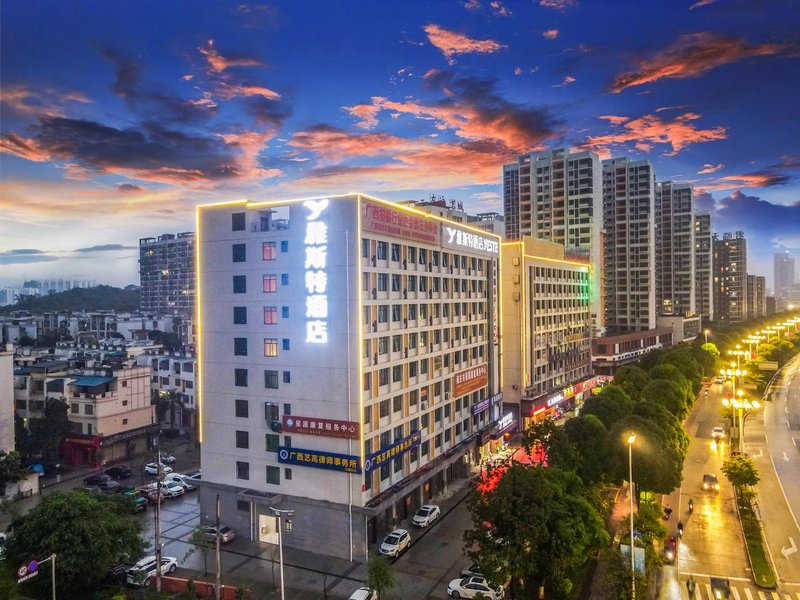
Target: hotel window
<point>382,247</point>
<point>240,377</point>
<point>284,279</point>
<point>384,471</point>
<point>285,312</point>
<point>383,377</point>
<point>426,448</point>
<point>284,245</point>
<point>238,222</point>
<point>397,403</point>
<point>397,313</point>
<point>423,366</point>
<point>272,442</point>
<point>242,470</point>
<point>240,315</point>
<point>412,340</point>
<point>413,397</point>
<point>240,346</point>
<point>395,283</point>
<point>286,344</point>
<point>412,254</point>
<point>396,252</point>
<point>270,284</point>
<point>367,382</point>
<point>423,311</point>
<point>287,377</point>
<point>412,312</point>
<point>383,282</point>
<point>383,313</point>
<point>383,409</point>
<point>412,368</point>
<point>423,284</point>
<point>287,474</point>
<point>412,283</point>
<point>242,439</point>
<point>269,250</point>
<point>242,409</point>
<point>270,347</point>
<point>274,475</point>
<point>365,285</point>
<point>423,256</point>
<point>397,343</point>
<point>239,284</point>
<point>383,345</point>
<point>397,373</point>
<point>364,247</point>
<point>239,252</point>
<point>445,259</point>
<point>435,256</point>
<point>270,315</point>
<point>271,379</point>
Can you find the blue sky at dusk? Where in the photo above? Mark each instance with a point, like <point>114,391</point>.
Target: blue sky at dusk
<point>119,117</point>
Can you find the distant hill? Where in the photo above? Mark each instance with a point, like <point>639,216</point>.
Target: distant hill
<point>102,297</point>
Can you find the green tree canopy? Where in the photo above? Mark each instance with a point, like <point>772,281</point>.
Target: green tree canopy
<point>590,438</point>
<point>89,533</point>
<point>549,438</point>
<point>379,575</point>
<point>632,379</point>
<point>48,432</point>
<point>657,462</point>
<point>740,470</point>
<point>10,468</point>
<point>610,405</point>
<point>668,394</point>
<point>533,528</point>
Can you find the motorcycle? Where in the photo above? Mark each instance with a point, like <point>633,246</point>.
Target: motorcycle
<point>691,506</point>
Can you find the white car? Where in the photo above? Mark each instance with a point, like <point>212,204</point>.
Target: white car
<point>426,515</point>
<point>395,543</point>
<point>172,489</point>
<point>718,433</point>
<point>183,480</point>
<point>167,458</point>
<point>469,587</point>
<point>364,593</point>
<point>142,571</point>
<point>152,469</point>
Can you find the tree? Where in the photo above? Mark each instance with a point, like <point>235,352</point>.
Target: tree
<point>632,379</point>
<point>379,575</point>
<point>88,532</point>
<point>657,461</point>
<point>546,441</point>
<point>610,405</point>
<point>48,432</point>
<point>740,471</point>
<point>668,394</point>
<point>535,527</point>
<point>10,469</point>
<point>199,541</point>
<point>590,439</point>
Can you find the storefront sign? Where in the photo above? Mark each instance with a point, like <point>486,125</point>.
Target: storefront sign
<point>316,426</point>
<point>481,406</point>
<point>503,425</point>
<point>556,398</point>
<point>384,219</point>
<point>316,278</point>
<point>376,459</point>
<point>470,380</point>
<point>319,459</point>
<point>456,238</point>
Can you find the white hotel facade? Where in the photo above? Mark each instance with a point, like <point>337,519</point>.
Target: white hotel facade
<point>349,368</point>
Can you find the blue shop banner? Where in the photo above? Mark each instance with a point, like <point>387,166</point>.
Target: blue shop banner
<point>376,459</point>
<point>319,459</point>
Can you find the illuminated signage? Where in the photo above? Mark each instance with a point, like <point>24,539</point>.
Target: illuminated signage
<point>326,427</point>
<point>316,279</point>
<point>376,459</point>
<point>466,239</point>
<point>318,459</point>
<point>481,406</point>
<point>555,399</point>
<point>385,219</point>
<point>470,380</point>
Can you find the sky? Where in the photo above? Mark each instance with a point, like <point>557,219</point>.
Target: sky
<point>118,118</point>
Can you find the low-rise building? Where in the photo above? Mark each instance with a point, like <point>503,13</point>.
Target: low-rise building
<point>172,381</point>
<point>611,352</point>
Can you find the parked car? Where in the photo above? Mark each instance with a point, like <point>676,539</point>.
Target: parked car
<point>710,482</point>
<point>226,534</point>
<point>194,474</point>
<point>97,478</point>
<point>472,571</point>
<point>137,498</point>
<point>426,515</point>
<point>395,543</point>
<point>140,573</point>
<point>152,469</point>
<point>470,587</point>
<point>167,458</point>
<point>108,486</point>
<point>172,489</point>
<point>183,480</point>
<point>718,432</point>
<point>119,472</point>
<point>364,593</point>
<point>150,492</point>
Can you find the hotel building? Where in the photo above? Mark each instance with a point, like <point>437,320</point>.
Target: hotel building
<point>348,364</point>
<point>675,249</point>
<point>546,329</point>
<point>703,267</point>
<point>730,277</point>
<point>166,274</point>
<point>756,296</point>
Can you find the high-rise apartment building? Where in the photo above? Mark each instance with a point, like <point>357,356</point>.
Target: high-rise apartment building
<point>557,196</point>
<point>675,249</point>
<point>166,274</point>
<point>784,274</point>
<point>629,245</point>
<point>756,296</point>
<point>547,329</point>
<point>348,364</point>
<point>730,277</point>
<point>703,266</point>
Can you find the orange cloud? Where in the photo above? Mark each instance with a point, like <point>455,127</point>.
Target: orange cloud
<point>700,3</point>
<point>366,113</point>
<point>26,101</point>
<point>708,168</point>
<point>692,55</point>
<point>648,130</point>
<point>550,34</point>
<point>451,43</point>
<point>217,63</point>
<point>232,90</point>
<point>567,80</point>
<point>558,4</point>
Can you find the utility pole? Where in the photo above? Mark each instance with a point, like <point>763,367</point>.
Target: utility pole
<point>158,512</point>
<point>53,574</point>
<point>218,585</point>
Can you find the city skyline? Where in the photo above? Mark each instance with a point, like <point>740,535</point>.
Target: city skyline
<point>118,121</point>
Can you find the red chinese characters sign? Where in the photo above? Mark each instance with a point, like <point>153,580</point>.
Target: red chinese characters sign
<point>317,426</point>
<point>384,219</point>
<point>470,380</point>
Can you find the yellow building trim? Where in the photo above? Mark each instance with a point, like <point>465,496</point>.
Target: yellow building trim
<point>199,326</point>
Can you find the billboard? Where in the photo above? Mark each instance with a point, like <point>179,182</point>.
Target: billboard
<point>318,426</point>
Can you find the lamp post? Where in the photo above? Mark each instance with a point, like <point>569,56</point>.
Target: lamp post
<point>278,516</point>
<point>631,439</point>
<point>743,407</point>
<point>706,332</point>
<point>733,374</point>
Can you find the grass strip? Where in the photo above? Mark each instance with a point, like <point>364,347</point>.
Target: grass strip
<point>762,570</point>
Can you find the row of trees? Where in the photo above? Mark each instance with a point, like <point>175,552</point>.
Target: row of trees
<point>534,525</point>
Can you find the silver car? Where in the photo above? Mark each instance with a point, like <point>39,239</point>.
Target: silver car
<point>226,534</point>
<point>395,543</point>
<point>426,515</point>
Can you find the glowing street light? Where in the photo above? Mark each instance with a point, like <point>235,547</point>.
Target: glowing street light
<point>744,407</point>
<point>631,439</point>
<point>733,374</point>
<point>706,332</point>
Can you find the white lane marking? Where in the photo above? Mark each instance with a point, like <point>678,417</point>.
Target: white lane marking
<point>708,589</point>
<point>736,593</point>
<point>748,594</point>
<point>762,595</point>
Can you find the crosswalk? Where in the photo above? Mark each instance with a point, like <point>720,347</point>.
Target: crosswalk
<point>703,591</point>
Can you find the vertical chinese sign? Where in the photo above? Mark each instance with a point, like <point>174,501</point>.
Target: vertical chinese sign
<point>316,278</point>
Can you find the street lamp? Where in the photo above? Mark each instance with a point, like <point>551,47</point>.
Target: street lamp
<point>733,374</point>
<point>737,353</point>
<point>744,407</point>
<point>631,439</point>
<point>706,332</point>
<point>278,514</point>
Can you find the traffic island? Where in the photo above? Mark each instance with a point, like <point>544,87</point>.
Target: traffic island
<point>756,552</point>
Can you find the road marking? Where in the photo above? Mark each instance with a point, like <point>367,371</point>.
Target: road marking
<point>785,457</point>
<point>736,593</point>
<point>762,595</point>
<point>708,589</point>
<point>789,551</point>
<point>748,594</point>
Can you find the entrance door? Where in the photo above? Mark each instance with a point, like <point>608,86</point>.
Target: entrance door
<point>267,529</point>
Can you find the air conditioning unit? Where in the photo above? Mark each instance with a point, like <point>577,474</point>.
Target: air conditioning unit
<point>423,405</point>
<point>515,261</point>
<point>447,396</point>
<point>276,426</point>
<point>515,296</point>
<point>515,279</point>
